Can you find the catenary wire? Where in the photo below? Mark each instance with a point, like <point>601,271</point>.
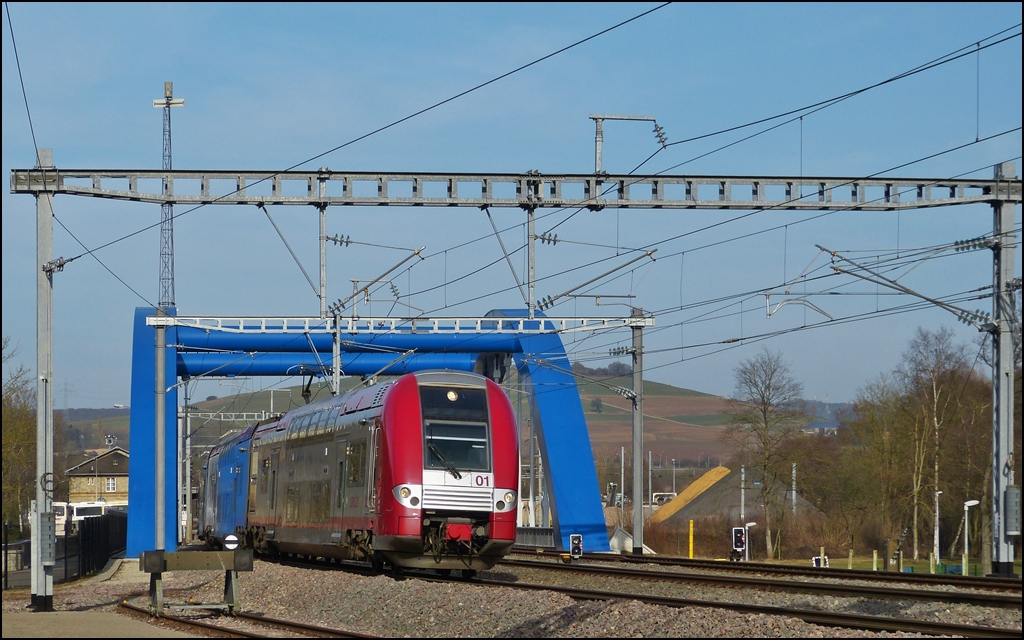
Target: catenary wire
<point>405,118</point>
<point>854,205</point>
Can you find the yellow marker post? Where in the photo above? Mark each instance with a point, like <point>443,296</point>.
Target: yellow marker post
<point>691,539</point>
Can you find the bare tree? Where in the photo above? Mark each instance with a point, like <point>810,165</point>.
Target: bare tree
<point>765,420</point>
<point>877,428</point>
<point>931,375</point>
<point>19,445</point>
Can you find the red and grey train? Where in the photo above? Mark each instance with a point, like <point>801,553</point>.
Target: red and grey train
<point>421,471</point>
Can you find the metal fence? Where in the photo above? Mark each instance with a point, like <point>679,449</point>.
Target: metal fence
<point>81,551</point>
<point>99,539</point>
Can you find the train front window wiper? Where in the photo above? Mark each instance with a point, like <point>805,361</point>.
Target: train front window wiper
<point>449,467</point>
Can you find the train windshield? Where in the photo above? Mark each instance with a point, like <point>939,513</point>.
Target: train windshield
<point>455,428</point>
<point>453,403</point>
<point>456,446</point>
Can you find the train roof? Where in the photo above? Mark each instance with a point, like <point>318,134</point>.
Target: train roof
<point>362,398</point>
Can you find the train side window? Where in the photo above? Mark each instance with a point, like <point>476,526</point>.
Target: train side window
<point>357,463</point>
<point>292,500</point>
<point>264,475</point>
<point>294,426</point>
<point>323,421</point>
<point>320,502</point>
<point>334,422</point>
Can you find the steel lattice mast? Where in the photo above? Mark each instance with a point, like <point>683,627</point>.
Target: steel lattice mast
<point>167,209</point>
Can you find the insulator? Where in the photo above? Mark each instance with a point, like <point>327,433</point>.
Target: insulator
<point>973,244</point>
<point>658,131</point>
<point>54,265</point>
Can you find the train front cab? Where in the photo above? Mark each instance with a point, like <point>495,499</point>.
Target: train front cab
<point>449,473</point>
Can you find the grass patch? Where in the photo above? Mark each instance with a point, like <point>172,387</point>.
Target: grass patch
<point>705,420</point>
<point>650,388</point>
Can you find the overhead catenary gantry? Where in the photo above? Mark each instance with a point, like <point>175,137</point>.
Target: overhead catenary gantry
<point>518,190</point>
<point>532,190</point>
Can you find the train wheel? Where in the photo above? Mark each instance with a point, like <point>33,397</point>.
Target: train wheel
<point>377,563</point>
<point>468,573</point>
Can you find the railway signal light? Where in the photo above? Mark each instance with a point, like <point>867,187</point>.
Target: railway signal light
<point>739,539</point>
<point>576,545</point>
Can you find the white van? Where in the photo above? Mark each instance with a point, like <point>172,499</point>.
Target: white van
<point>60,510</point>
<point>75,512</point>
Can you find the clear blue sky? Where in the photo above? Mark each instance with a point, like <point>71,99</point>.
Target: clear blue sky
<point>270,85</point>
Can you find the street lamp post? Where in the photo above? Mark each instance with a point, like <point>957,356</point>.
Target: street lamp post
<point>967,505</point>
<point>746,538</point>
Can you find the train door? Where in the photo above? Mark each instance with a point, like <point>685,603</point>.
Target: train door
<point>213,492</point>
<point>236,493</point>
<point>275,465</point>
<point>341,451</point>
<point>374,471</point>
<point>355,479</point>
<point>254,469</point>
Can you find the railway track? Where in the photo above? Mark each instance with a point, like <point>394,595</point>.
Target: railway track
<point>985,599</point>
<point>824,618</point>
<point>829,619</point>
<point>258,620</point>
<point>966,582</point>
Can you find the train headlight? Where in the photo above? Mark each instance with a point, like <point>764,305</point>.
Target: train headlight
<point>504,500</point>
<point>408,495</point>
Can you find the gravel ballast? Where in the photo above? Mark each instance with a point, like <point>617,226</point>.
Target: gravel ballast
<point>383,606</point>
